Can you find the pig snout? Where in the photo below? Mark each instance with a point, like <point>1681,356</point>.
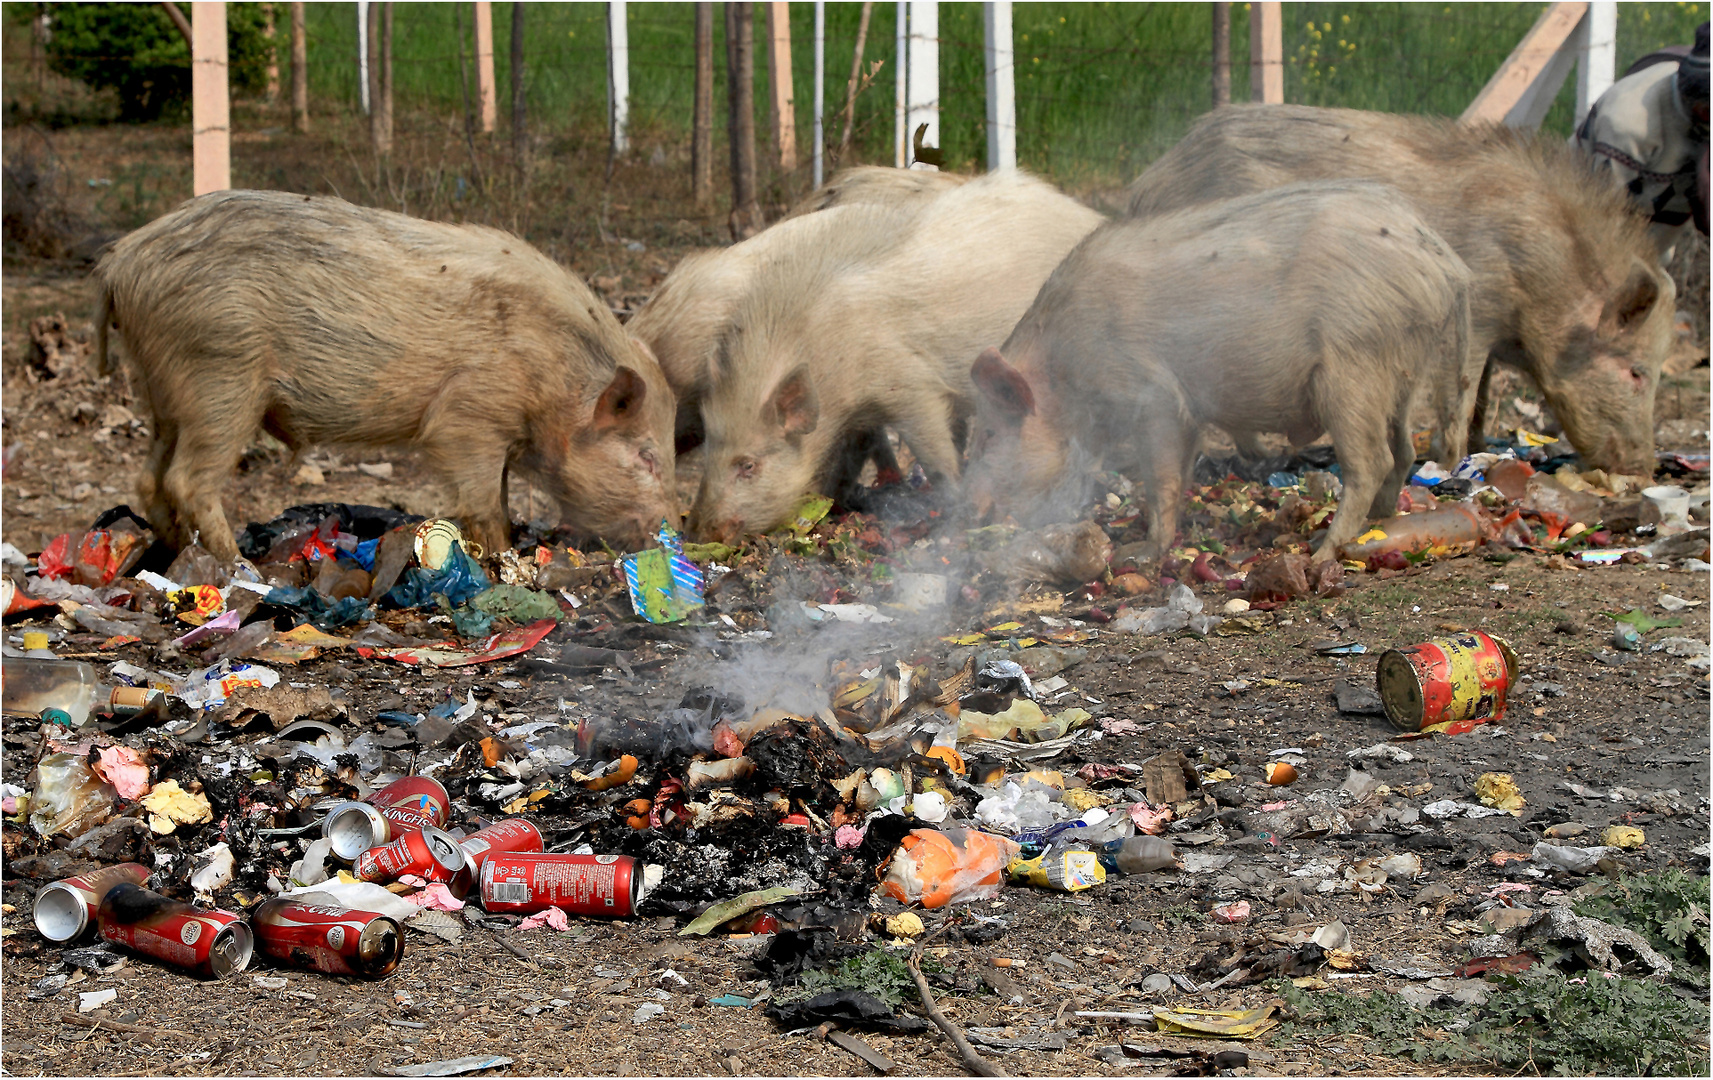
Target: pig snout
<point>726,531</point>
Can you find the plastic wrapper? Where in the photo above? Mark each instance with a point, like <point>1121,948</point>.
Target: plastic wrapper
<point>956,866</point>
<point>1065,554</point>
<point>459,579</point>
<point>1182,611</point>
<point>1014,808</point>
<point>1063,871</point>
<point>68,799</point>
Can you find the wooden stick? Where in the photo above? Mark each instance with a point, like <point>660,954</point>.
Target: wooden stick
<point>114,1025</point>
<point>851,84</point>
<point>973,1062</point>
<point>178,20</point>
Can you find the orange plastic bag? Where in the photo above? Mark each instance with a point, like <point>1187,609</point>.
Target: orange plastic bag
<point>936,868</point>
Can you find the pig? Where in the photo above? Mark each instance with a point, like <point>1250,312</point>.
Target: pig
<point>1567,285</point>
<point>874,325</point>
<point>321,322</point>
<point>683,320</point>
<point>1312,307</point>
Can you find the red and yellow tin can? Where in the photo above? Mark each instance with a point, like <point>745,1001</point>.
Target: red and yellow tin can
<point>1448,684</point>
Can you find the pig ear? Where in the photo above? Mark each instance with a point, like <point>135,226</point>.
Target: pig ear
<point>1004,385</point>
<point>620,404</point>
<point>794,404</point>
<point>1633,300</point>
<point>643,347</point>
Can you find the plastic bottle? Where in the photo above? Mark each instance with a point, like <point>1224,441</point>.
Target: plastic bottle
<point>1141,854</point>
<point>243,642</point>
<point>29,686</point>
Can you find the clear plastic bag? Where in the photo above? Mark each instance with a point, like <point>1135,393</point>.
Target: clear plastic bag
<point>68,798</point>
<point>956,866</point>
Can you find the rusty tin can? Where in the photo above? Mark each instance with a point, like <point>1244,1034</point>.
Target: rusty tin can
<point>403,806</point>
<point>212,944</point>
<point>321,937</point>
<point>1463,679</point>
<point>522,883</point>
<point>429,853</point>
<point>513,834</point>
<point>66,910</point>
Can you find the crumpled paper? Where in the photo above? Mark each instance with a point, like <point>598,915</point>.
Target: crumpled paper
<point>170,806</point>
<point>123,768</point>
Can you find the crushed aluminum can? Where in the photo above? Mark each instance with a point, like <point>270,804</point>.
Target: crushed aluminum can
<point>429,853</point>
<point>66,910</point>
<point>1005,677</point>
<point>405,805</point>
<point>1460,680</point>
<point>513,834</point>
<point>208,943</point>
<point>521,883</point>
<point>336,940</point>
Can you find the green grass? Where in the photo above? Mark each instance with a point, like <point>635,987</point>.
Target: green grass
<point>1102,88</point>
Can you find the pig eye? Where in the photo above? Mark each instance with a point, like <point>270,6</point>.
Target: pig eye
<point>647,456</point>
<point>744,468</point>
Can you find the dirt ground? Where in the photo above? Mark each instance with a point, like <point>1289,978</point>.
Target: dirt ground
<point>1595,736</point>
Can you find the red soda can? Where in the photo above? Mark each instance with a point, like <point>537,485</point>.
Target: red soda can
<point>320,937</point>
<point>523,882</point>
<point>405,805</point>
<point>429,853</point>
<point>513,834</point>
<point>212,944</point>
<point>66,910</point>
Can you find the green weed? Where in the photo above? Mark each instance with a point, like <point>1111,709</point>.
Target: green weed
<point>879,972</point>
<point>1670,909</point>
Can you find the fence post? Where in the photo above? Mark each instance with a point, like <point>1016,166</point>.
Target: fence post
<point>618,76</point>
<point>485,64</point>
<point>1001,87</point>
<point>924,74</point>
<point>1598,63</point>
<point>299,70</point>
<point>702,118</point>
<point>782,109</point>
<point>1267,53</point>
<point>363,54</point>
<point>271,31</point>
<point>520,106</point>
<point>901,64</point>
<point>1522,90</point>
<point>384,104</point>
<point>818,169</point>
<point>211,108</point>
<point>1221,53</point>
<point>740,117</point>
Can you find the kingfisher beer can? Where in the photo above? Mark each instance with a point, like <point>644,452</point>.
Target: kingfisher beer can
<point>212,944</point>
<point>66,910</point>
<point>403,806</point>
<point>522,883</point>
<point>428,853</point>
<point>1462,680</point>
<point>321,937</point>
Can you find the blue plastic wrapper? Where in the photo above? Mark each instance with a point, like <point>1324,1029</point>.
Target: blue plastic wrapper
<point>664,585</point>
<point>459,579</point>
<point>1282,480</point>
<point>364,555</point>
<point>317,609</point>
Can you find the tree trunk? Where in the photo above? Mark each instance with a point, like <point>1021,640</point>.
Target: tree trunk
<point>299,70</point>
<point>740,127</point>
<point>520,117</point>
<point>376,138</point>
<point>702,120</point>
<point>384,107</point>
<point>1221,54</point>
<point>270,31</point>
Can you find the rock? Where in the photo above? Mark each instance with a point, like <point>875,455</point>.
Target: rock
<point>1358,699</point>
<point>1501,919</point>
<point>308,475</point>
<point>1433,892</point>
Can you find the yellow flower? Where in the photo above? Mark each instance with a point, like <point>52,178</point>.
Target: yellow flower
<point>1344,19</point>
<point>1326,26</point>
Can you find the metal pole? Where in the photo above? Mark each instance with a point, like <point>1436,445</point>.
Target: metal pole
<point>924,81</point>
<point>618,75</point>
<point>1001,88</point>
<point>1221,54</point>
<point>363,54</point>
<point>901,61</point>
<point>818,166</point>
<point>1598,62</point>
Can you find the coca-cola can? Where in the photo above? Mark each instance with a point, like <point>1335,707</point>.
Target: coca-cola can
<point>212,944</point>
<point>66,910</point>
<point>525,882</point>
<point>405,805</point>
<point>429,853</point>
<point>321,937</point>
<point>513,834</point>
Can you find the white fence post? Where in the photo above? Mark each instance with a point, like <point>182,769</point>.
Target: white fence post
<point>363,54</point>
<point>618,75</point>
<point>1597,65</point>
<point>1001,88</point>
<point>210,100</point>
<point>820,87</point>
<point>901,63</point>
<point>924,74</point>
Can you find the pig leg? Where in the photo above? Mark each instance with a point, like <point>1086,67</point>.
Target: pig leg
<point>202,461</point>
<point>475,470</point>
<point>1403,462</point>
<point>928,433</point>
<point>1361,434</point>
<point>150,483</point>
<point>1165,448</point>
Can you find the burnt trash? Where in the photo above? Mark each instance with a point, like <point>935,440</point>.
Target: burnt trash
<point>845,1008</point>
